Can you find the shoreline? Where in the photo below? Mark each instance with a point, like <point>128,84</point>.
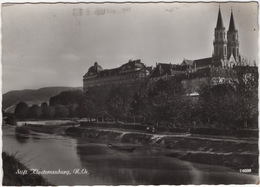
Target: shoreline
<point>235,154</point>
<point>232,152</point>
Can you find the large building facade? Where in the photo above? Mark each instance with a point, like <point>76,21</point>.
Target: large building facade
<point>129,73</point>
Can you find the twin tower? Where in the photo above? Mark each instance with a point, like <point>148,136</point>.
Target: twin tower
<point>226,47</point>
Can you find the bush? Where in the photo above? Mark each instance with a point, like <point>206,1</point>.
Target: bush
<point>11,120</point>
<point>22,130</point>
<point>246,133</point>
<point>10,165</point>
<point>135,127</point>
<point>73,130</point>
<point>225,132</point>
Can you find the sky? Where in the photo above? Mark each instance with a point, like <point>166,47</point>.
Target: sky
<point>54,44</point>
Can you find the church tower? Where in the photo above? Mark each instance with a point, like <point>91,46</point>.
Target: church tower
<point>219,56</point>
<point>232,41</point>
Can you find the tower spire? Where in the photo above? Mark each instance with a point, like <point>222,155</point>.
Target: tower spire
<point>220,24</point>
<point>220,43</point>
<point>232,26</point>
<point>232,39</point>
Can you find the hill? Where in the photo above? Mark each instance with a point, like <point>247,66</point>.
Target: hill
<point>10,99</point>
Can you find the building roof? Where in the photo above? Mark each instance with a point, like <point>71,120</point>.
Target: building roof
<point>108,72</point>
<point>149,68</point>
<point>94,69</point>
<point>204,62</point>
<point>199,62</point>
<point>162,69</point>
<point>133,64</point>
<point>130,66</point>
<point>187,62</point>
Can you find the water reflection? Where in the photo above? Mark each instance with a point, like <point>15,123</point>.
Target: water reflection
<point>22,134</point>
<point>147,165</point>
<point>21,138</point>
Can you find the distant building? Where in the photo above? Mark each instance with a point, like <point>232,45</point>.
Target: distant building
<point>129,73</point>
<point>193,65</point>
<point>166,71</point>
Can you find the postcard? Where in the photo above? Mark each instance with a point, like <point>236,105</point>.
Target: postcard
<point>130,93</point>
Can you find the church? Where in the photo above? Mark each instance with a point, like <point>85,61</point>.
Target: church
<point>225,57</point>
<point>225,47</point>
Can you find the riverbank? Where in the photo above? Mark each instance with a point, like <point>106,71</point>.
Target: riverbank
<point>49,127</point>
<point>235,153</point>
<point>11,165</point>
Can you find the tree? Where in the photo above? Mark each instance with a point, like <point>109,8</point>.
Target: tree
<point>119,102</point>
<point>61,111</point>
<point>73,110</point>
<point>35,111</point>
<point>87,107</point>
<point>232,103</point>
<point>67,98</point>
<point>246,84</point>
<point>21,110</point>
<point>167,102</point>
<point>44,104</point>
<point>138,106</point>
<point>48,112</point>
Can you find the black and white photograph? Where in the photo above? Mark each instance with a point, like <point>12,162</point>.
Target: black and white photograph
<point>130,93</point>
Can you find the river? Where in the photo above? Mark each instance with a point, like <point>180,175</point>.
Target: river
<point>101,165</point>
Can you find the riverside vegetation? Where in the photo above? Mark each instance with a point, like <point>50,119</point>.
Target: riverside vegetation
<point>11,163</point>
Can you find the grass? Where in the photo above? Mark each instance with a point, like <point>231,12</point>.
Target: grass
<point>11,163</point>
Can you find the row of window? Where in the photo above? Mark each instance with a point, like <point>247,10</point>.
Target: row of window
<point>107,80</point>
<point>219,52</point>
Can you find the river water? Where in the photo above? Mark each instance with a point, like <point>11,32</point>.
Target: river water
<point>99,165</point>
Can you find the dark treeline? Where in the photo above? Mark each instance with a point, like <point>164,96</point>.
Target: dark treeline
<point>234,104</point>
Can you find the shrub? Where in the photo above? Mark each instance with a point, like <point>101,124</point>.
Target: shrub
<point>225,132</point>
<point>73,130</point>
